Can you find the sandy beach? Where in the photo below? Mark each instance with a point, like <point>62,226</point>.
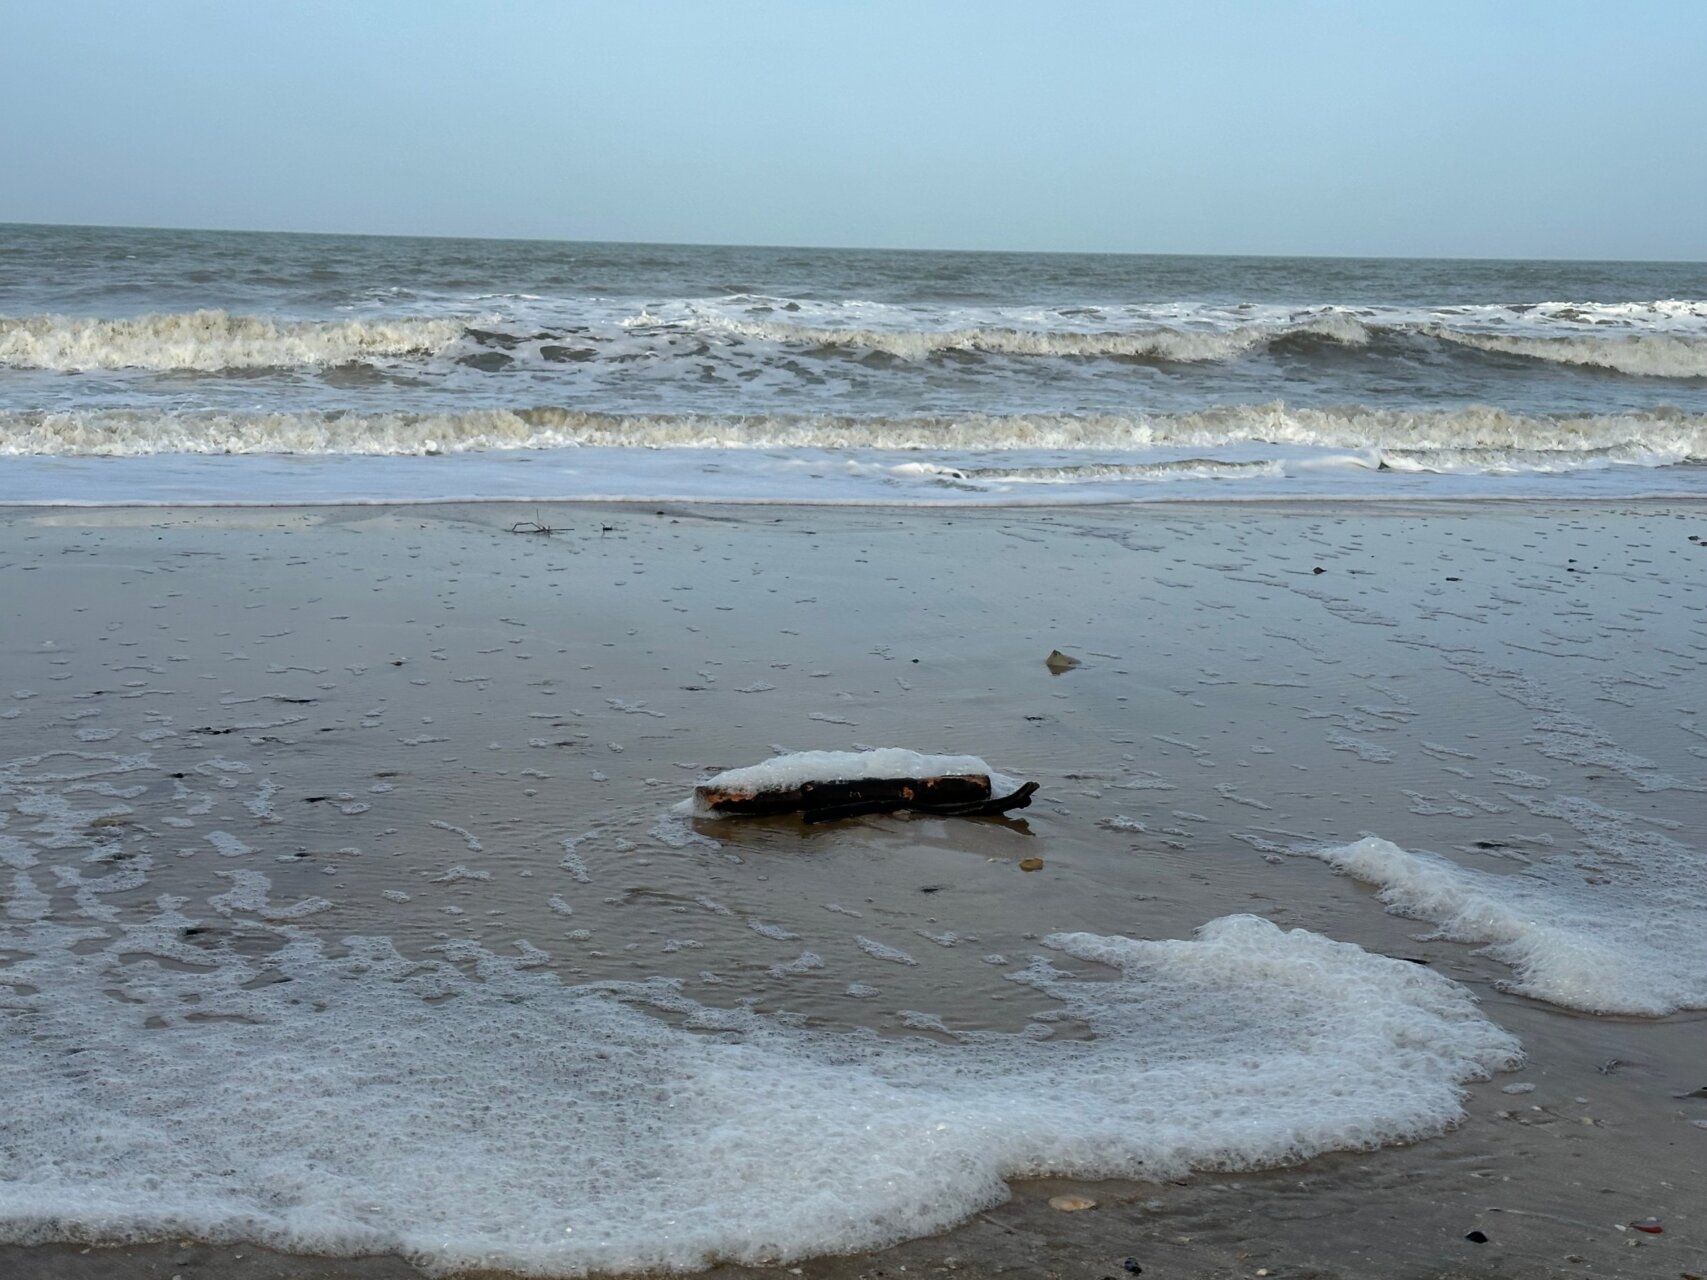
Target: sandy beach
<point>438,726</point>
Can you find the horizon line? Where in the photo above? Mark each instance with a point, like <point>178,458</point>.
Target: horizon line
<point>710,244</point>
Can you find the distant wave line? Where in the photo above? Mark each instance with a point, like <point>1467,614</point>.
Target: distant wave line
<point>211,341</point>
<point>216,341</point>
<point>1665,436</point>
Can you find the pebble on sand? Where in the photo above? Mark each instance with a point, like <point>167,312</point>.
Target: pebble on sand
<point>1071,1204</point>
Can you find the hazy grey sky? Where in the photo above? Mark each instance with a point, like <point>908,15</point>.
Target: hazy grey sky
<point>1520,128</point>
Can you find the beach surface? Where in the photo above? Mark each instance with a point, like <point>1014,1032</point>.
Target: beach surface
<point>462,729</point>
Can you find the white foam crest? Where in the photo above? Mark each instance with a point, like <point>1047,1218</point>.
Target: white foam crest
<point>213,340</point>
<point>1628,935</point>
<point>853,321</point>
<point>565,1132</point>
<point>1497,461</point>
<point>1663,433</point>
<point>1654,355</point>
<point>1686,313</point>
<point>1172,345</point>
<point>1161,472</point>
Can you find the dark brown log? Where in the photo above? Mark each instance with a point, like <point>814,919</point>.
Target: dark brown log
<point>893,793</point>
<point>954,796</point>
<point>990,806</point>
<point>1020,799</point>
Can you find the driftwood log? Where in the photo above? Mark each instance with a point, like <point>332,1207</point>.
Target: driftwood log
<point>964,796</point>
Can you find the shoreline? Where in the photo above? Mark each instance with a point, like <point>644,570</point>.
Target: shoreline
<point>1187,602</point>
<point>701,506</point>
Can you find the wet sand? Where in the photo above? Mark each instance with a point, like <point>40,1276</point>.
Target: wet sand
<point>436,726</point>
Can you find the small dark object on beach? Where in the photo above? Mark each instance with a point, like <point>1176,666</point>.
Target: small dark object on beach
<point>1455,579</point>
<point>1057,662</point>
<point>1131,1266</point>
<point>1318,569</point>
<point>532,526</point>
<point>951,797</point>
<point>1609,1066</point>
<point>1648,1226</point>
<point>1476,1237</point>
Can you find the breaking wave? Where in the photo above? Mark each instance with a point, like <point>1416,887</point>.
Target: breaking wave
<point>1169,345</point>
<point>1652,355</point>
<point>1641,355</point>
<point>1663,344</point>
<point>1476,438</point>
<point>213,340</point>
<point>1589,336</point>
<point>1091,472</point>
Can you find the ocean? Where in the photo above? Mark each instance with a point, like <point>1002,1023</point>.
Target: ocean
<point>267,368</point>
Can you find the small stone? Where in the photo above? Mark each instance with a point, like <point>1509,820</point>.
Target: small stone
<point>1057,662</point>
<point>1476,1237</point>
<point>1071,1204</point>
<point>1031,864</point>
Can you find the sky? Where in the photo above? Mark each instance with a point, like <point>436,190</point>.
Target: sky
<point>1508,128</point>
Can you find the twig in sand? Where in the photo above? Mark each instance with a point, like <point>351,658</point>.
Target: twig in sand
<point>532,526</point>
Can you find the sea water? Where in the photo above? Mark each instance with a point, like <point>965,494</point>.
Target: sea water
<point>275,368</point>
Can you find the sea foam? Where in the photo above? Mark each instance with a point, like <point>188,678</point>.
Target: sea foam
<point>1157,343</point>
<point>340,1103</point>
<point>212,340</point>
<point>1476,437</point>
<point>1625,935</point>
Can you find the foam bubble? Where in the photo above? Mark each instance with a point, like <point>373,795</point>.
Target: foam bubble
<point>546,1129</point>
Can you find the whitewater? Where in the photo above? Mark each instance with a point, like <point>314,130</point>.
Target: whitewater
<point>727,374</point>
